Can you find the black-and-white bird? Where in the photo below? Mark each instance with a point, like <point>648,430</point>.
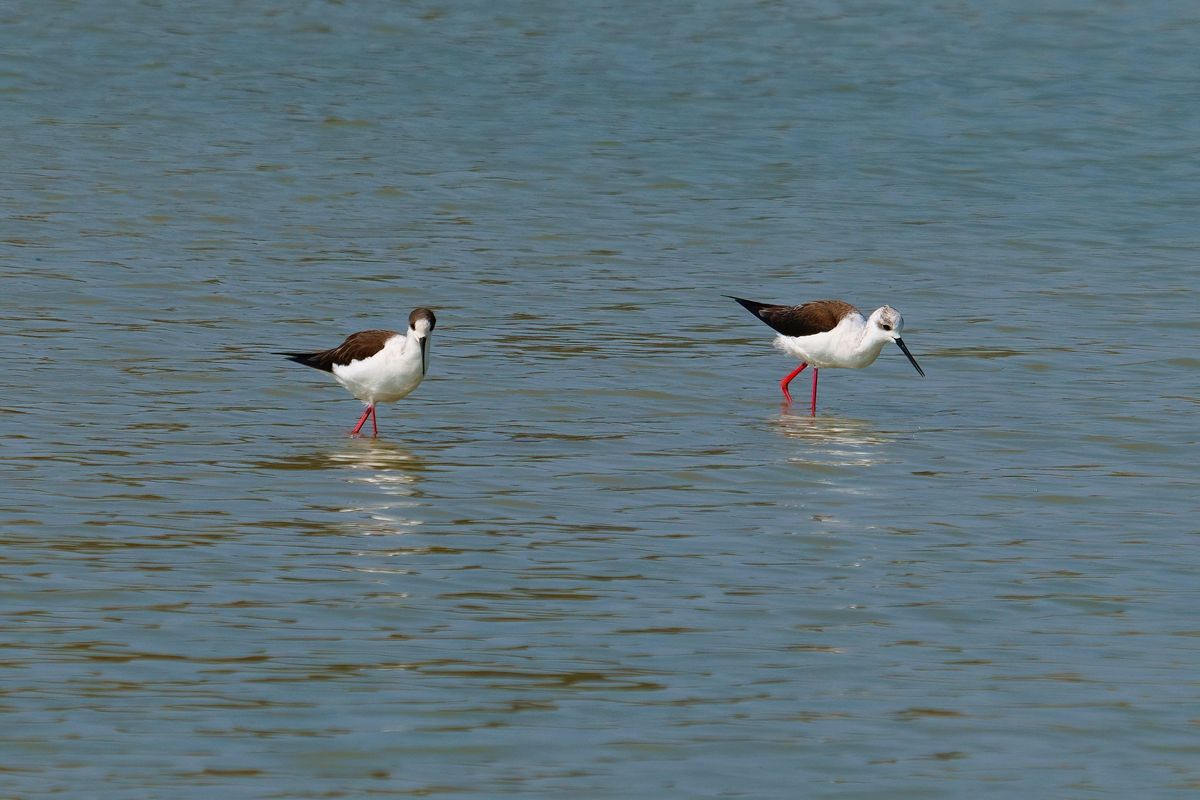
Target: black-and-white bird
<point>829,333</point>
<point>377,366</point>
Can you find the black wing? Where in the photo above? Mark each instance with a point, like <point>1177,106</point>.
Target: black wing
<point>818,316</point>
<point>357,346</point>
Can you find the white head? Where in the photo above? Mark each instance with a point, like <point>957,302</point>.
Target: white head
<point>885,324</point>
<point>421,323</point>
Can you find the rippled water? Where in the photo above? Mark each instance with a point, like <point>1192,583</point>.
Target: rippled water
<point>592,556</point>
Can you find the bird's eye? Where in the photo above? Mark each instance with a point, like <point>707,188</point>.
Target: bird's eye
<point>887,327</point>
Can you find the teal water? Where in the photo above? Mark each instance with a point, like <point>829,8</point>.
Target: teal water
<point>592,556</point>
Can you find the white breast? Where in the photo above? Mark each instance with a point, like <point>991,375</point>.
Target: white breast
<point>387,376</point>
<point>844,346</point>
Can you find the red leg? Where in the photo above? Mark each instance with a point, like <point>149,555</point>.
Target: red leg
<point>374,422</point>
<point>783,384</point>
<point>362,420</point>
<point>814,402</point>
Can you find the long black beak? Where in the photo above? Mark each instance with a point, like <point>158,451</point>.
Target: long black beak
<point>424,340</point>
<point>912,360</point>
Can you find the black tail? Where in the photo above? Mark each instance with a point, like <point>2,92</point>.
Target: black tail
<point>307,359</point>
<point>751,306</point>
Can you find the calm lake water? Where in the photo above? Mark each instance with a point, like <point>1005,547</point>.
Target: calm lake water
<point>592,556</point>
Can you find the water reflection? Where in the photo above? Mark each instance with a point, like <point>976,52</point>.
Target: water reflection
<point>368,454</point>
<point>389,509</point>
<point>394,474</point>
<point>378,455</point>
<point>394,471</point>
<point>840,441</point>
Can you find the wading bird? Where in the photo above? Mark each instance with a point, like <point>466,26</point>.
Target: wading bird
<point>829,333</point>
<point>377,366</point>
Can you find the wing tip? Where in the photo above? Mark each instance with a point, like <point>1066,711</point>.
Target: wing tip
<point>307,359</point>
<point>750,305</point>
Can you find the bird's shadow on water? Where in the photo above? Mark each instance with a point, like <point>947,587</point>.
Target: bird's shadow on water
<point>833,440</point>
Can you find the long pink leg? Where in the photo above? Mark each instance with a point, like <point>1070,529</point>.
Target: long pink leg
<point>374,421</point>
<point>362,420</point>
<point>814,402</point>
<point>783,384</point>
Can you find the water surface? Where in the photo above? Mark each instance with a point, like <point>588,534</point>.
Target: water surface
<point>592,556</point>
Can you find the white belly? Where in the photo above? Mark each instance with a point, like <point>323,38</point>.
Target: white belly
<point>831,349</point>
<point>392,373</point>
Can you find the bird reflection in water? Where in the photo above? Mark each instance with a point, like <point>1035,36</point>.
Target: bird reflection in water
<point>836,441</point>
<point>394,474</point>
<point>393,470</point>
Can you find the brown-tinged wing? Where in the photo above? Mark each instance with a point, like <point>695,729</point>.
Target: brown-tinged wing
<point>357,346</point>
<point>818,316</point>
